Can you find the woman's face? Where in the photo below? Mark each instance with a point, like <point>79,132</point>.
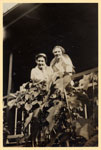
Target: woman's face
<point>57,52</point>
<point>40,62</point>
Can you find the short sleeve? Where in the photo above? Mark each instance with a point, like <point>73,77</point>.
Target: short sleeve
<point>32,74</point>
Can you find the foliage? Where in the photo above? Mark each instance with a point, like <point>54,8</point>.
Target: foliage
<point>56,115</point>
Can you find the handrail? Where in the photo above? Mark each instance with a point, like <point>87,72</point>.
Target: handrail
<point>74,76</point>
<point>84,72</point>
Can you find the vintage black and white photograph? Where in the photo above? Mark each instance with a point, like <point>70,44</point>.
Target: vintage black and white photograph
<point>50,75</point>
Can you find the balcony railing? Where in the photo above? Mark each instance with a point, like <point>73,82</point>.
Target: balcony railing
<point>12,139</point>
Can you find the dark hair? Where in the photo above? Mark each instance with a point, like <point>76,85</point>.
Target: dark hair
<point>41,55</point>
<point>62,49</point>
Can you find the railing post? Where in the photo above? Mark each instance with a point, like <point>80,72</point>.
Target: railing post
<point>15,126</point>
<point>22,122</point>
<point>29,127</point>
<point>85,111</point>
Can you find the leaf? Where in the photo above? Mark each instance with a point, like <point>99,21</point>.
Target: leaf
<point>95,77</point>
<point>21,103</point>
<point>61,83</point>
<point>84,128</point>
<point>35,94</point>
<point>12,103</point>
<point>28,120</point>
<point>83,97</point>
<point>53,111</point>
<point>84,83</point>
<point>12,95</point>
<point>28,106</point>
<point>24,87</point>
<point>27,96</point>
<point>74,104</point>
<point>36,112</point>
<point>93,141</point>
<point>66,80</point>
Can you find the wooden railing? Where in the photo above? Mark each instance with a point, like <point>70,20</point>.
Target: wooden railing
<point>15,135</point>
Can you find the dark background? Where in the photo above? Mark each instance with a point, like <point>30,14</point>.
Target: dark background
<point>71,25</point>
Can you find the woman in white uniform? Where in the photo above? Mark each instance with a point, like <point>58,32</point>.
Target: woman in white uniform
<point>61,63</point>
<point>41,72</point>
